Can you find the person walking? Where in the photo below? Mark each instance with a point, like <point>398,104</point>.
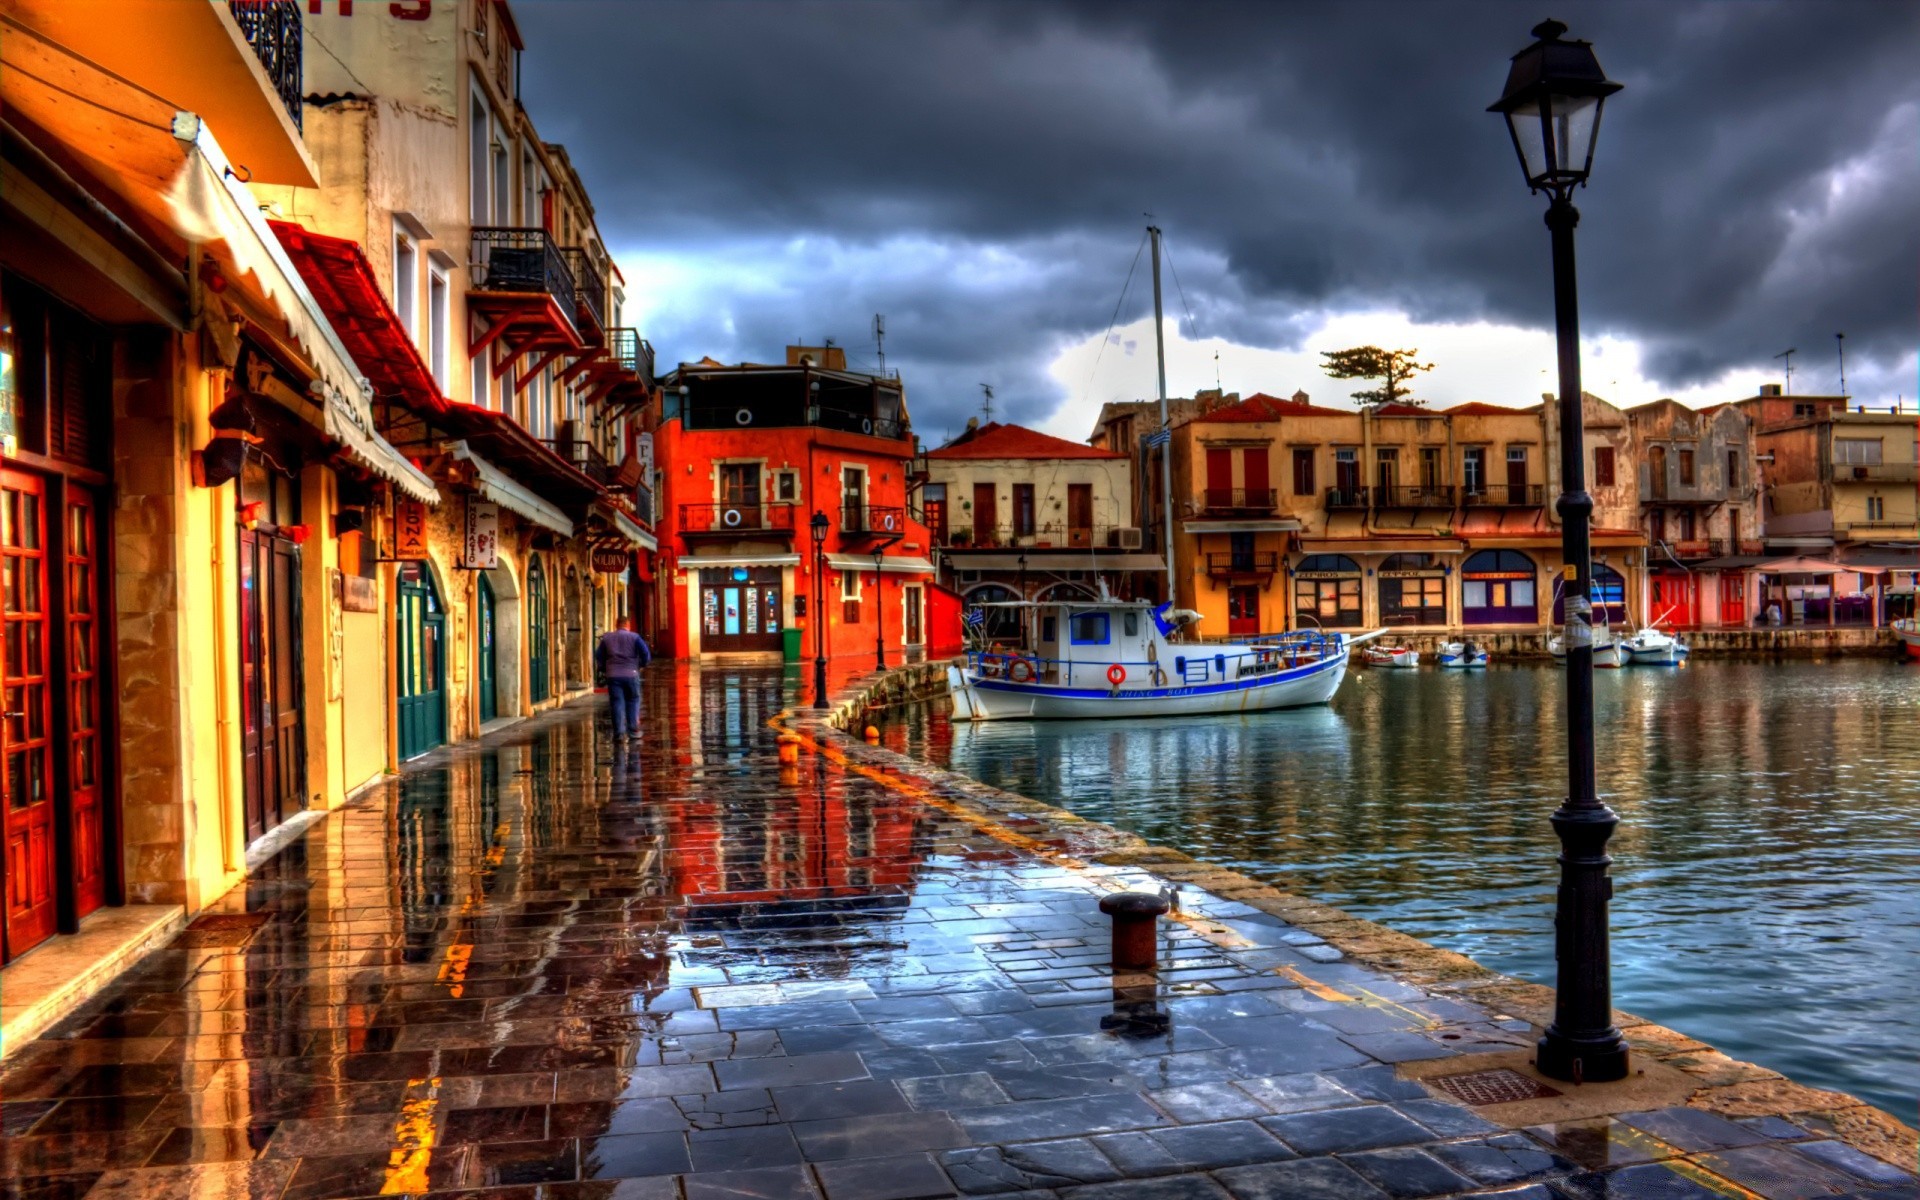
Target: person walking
<point>619,657</point>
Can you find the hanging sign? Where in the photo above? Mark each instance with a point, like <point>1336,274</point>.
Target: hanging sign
<point>643,450</point>
<point>611,562</point>
<point>409,528</point>
<point>482,549</point>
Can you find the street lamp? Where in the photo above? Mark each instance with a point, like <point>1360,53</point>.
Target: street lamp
<point>1555,90</point>
<point>819,527</point>
<point>879,614</point>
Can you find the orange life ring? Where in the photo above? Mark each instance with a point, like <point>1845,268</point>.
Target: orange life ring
<point>1021,671</point>
<point>1116,674</point>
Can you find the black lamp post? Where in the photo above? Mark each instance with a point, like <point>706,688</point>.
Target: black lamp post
<point>819,527</point>
<point>879,614</point>
<point>1554,93</point>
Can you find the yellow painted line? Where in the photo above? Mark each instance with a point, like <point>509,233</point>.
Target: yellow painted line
<point>1314,986</point>
<point>1370,1000</point>
<point>413,1139</point>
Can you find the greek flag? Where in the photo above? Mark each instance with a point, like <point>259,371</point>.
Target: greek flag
<point>1157,439</point>
<point>976,616</point>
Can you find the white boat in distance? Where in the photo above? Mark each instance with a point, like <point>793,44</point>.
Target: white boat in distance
<point>1461,656</point>
<point>1655,647</point>
<point>1402,657</point>
<point>1115,658</point>
<point>1609,650</point>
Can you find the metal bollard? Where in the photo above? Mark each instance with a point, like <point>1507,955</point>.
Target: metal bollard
<point>1135,923</point>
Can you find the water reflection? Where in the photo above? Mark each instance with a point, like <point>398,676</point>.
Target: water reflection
<point>1768,858</point>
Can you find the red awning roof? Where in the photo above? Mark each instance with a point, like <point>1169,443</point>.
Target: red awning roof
<point>502,442</point>
<point>339,276</point>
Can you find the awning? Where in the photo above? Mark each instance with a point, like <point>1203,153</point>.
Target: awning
<point>688,562</point>
<point>1382,546</point>
<point>1059,561</point>
<point>901,565</point>
<point>1242,525</point>
<point>1732,562</point>
<point>1803,566</point>
<point>625,526</point>
<point>511,448</point>
<point>1881,558</point>
<point>496,485</point>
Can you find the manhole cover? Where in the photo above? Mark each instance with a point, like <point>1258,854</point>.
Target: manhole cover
<point>210,922</point>
<point>1493,1087</point>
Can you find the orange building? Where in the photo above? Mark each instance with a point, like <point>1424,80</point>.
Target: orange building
<point>753,456</point>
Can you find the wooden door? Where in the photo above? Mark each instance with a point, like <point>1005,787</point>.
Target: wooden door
<point>86,764</point>
<point>1254,477</point>
<point>483,623</point>
<point>986,515</point>
<point>420,639</point>
<point>1517,476</point>
<point>910,615</point>
<point>283,644</point>
<point>739,609</point>
<point>1243,610</point>
<point>740,492</point>
<point>1657,471</point>
<point>539,683</point>
<point>258,756</point>
<point>26,796</point>
<point>1080,514</point>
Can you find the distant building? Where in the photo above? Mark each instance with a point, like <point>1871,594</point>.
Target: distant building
<point>1700,510</point>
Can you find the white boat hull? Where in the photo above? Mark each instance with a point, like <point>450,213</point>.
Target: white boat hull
<point>978,698</point>
<point>1670,655</point>
<point>1609,653</point>
<point>1456,657</point>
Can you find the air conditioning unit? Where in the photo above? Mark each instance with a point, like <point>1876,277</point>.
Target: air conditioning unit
<point>1130,538</point>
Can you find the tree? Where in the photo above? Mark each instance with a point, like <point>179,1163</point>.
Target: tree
<point>1371,362</point>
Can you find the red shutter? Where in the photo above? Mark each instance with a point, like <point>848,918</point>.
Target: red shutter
<point>1253,475</point>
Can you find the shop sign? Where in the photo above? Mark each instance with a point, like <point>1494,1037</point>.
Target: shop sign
<point>643,450</point>
<point>409,528</point>
<point>1422,573</point>
<point>1326,575</point>
<point>1497,575</point>
<point>358,594</point>
<point>611,562</point>
<point>481,551</point>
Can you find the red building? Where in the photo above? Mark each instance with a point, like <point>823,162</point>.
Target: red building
<point>751,458</point>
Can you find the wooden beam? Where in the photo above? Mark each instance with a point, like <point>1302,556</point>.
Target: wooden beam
<point>533,372</point>
<point>495,331</point>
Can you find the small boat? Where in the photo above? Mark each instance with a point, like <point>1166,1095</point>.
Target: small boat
<point>1609,651</point>
<point>1654,647</point>
<point>1908,631</point>
<point>1463,655</point>
<point>1392,656</point>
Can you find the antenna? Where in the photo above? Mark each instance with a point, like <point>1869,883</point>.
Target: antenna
<point>1216,370</point>
<point>880,339</point>
<point>1788,355</point>
<point>986,402</point>
<point>1840,344</point>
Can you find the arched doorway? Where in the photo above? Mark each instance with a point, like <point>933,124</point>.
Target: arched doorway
<point>1608,595</point>
<point>421,639</point>
<point>999,624</point>
<point>486,645</point>
<point>1497,588</point>
<point>1326,592</point>
<point>539,663</point>
<point>1412,590</point>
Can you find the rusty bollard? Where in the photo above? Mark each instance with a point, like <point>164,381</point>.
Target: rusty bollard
<point>1135,924</point>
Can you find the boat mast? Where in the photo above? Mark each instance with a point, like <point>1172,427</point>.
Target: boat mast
<point>1166,425</point>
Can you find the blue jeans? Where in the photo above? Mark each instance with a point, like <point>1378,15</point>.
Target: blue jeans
<point>624,695</point>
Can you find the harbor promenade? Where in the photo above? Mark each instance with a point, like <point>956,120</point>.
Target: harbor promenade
<point>554,965</point>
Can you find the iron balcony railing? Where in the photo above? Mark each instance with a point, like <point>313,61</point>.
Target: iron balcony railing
<point>585,456</point>
<point>1413,496</point>
<point>1354,497</point>
<point>1510,495</point>
<point>872,520</point>
<point>522,260</point>
<point>1238,499</point>
<point>1881,472</point>
<point>632,352</point>
<point>1263,562</point>
<point>736,518</point>
<point>272,28</point>
<point>589,286</point>
<point>1050,536</point>
<point>850,421</point>
<point>1696,548</point>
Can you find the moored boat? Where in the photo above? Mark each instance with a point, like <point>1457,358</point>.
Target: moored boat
<point>1609,650</point>
<point>1463,655</point>
<point>1908,631</point>
<point>1655,647</point>
<point>1403,657</point>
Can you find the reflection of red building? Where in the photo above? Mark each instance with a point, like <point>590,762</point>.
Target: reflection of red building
<point>749,454</point>
<point>822,845</point>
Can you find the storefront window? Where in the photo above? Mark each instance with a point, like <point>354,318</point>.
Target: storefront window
<point>1497,587</point>
<point>1326,591</point>
<point>1413,590</point>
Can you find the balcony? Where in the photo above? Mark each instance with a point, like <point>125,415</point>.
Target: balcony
<point>630,352</point>
<point>589,288</point>
<point>1240,566</point>
<point>1507,495</point>
<point>586,457</point>
<point>1238,501</point>
<point>1046,537</point>
<point>1413,496</point>
<point>1695,549</point>
<point>736,520</point>
<point>854,421</point>
<point>1894,472</point>
<point>272,28</point>
<point>1353,497</point>
<point>872,522</point>
<point>522,285</point>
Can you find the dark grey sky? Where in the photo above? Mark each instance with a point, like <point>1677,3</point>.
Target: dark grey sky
<point>978,172</point>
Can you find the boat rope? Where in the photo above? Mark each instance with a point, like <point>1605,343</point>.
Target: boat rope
<point>1115,319</point>
<point>1193,326</point>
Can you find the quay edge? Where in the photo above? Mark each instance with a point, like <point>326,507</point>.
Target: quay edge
<point>1719,1083</point>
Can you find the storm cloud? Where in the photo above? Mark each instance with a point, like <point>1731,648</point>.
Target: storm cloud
<point>979,172</point>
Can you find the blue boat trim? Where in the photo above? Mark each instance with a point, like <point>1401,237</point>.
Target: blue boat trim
<point>1246,683</point>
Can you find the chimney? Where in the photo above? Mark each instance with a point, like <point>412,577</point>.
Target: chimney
<point>1300,398</point>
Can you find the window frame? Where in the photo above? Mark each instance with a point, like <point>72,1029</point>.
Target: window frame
<point>1604,466</point>
<point>1106,629</point>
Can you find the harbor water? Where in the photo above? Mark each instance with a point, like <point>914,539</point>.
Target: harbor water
<point>1767,861</point>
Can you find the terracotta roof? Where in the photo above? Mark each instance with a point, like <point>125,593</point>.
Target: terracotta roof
<point>1476,408</point>
<point>1262,407</point>
<point>994,440</point>
<point>1403,410</point>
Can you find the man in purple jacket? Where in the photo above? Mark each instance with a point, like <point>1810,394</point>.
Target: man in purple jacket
<point>619,657</point>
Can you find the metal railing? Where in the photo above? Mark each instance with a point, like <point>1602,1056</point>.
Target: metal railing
<point>737,518</point>
<point>1512,495</point>
<point>1262,562</point>
<point>520,259</point>
<point>1253,657</point>
<point>1347,497</point>
<point>632,352</point>
<point>589,286</point>
<point>1693,548</point>
<point>272,28</point>
<point>1050,536</point>
<point>849,421</point>
<point>872,520</point>
<point>583,455</point>
<point>1238,499</point>
<point>1413,496</point>
<point>1884,472</point>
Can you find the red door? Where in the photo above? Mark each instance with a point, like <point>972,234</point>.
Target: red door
<point>26,796</point>
<point>1672,599</point>
<point>1243,610</point>
<point>1733,598</point>
<point>84,762</point>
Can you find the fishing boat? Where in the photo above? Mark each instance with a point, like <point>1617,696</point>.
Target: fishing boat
<point>1609,650</point>
<point>1908,631</point>
<point>1655,647</point>
<point>1121,658</point>
<point>1463,656</point>
<point>1404,657</point>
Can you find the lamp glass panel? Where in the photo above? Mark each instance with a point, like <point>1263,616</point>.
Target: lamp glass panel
<point>1529,135</point>
<point>1574,121</point>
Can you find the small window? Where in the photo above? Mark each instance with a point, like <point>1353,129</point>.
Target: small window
<point>1876,508</point>
<point>1733,470</point>
<point>1130,624</point>
<point>1686,468</point>
<point>1603,466</point>
<point>1516,454</point>
<point>1049,629</point>
<point>1089,629</point>
<point>786,487</point>
<point>406,282</point>
<point>849,585</point>
<point>1803,410</point>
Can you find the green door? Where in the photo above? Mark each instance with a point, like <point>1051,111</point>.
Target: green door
<point>420,635</point>
<point>489,709</point>
<point>536,632</point>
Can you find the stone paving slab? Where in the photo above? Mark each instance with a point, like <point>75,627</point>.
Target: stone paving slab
<point>551,966</point>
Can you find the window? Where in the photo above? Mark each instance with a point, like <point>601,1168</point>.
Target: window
<point>849,585</point>
<point>1346,471</point>
<point>1603,466</point>
<point>1326,591</point>
<point>1430,467</point>
<point>1857,451</point>
<point>479,164</point>
<point>406,281</point>
<point>1876,508</point>
<point>853,499</point>
<point>1386,467</point>
<point>1088,629</point>
<point>786,487</point>
<point>1497,588</point>
<point>1733,470</point>
<point>1516,474</point>
<point>438,314</point>
<point>1049,629</point>
<point>1686,468</point>
<point>1412,600</point>
<point>1474,470</point>
<point>1803,410</point>
<point>1303,471</point>
<point>502,176</point>
<point>1130,624</point>
<point>1240,551</point>
<point>1023,522</point>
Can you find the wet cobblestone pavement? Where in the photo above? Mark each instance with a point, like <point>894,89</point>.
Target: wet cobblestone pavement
<point>554,966</point>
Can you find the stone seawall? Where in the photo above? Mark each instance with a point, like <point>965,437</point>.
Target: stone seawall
<point>1706,643</point>
<point>1715,1082</point>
